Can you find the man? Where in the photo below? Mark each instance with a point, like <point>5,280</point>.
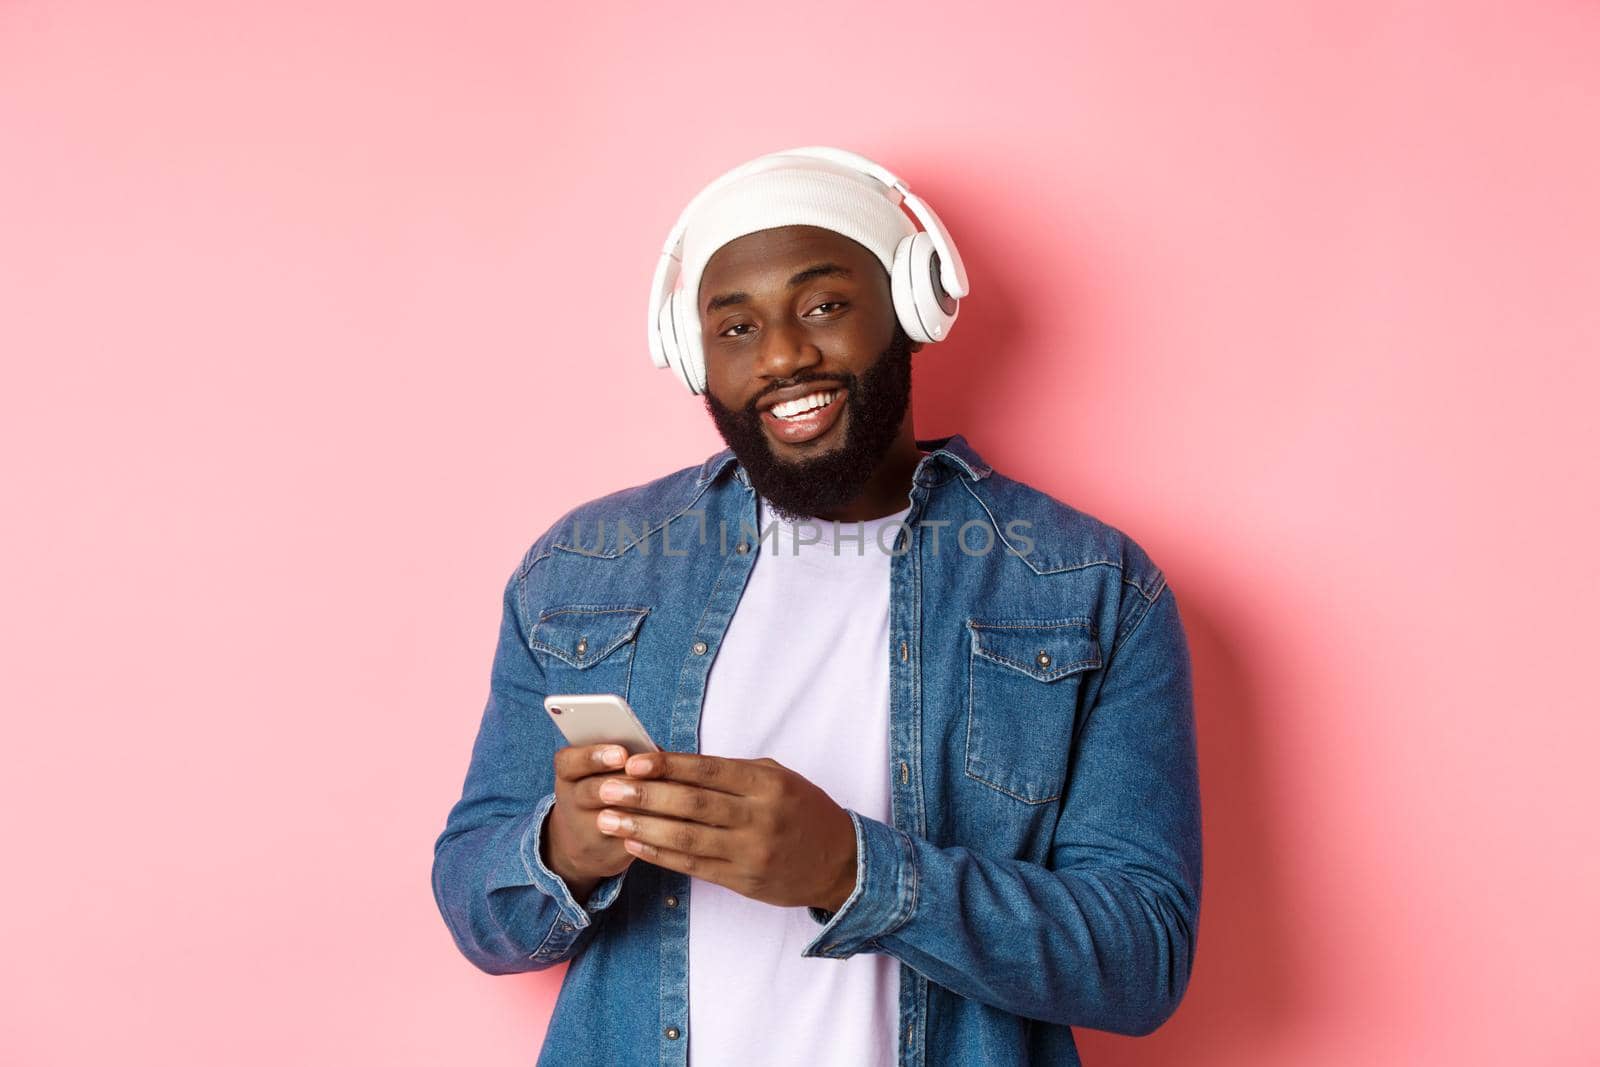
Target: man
<point>928,773</point>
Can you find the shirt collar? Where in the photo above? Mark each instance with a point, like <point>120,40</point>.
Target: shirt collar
<point>951,453</point>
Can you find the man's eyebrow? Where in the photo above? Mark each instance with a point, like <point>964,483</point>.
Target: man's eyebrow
<point>820,270</point>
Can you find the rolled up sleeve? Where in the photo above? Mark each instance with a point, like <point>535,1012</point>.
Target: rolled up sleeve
<point>1102,935</point>
<point>506,910</point>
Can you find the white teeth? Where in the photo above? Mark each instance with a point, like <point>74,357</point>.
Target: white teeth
<point>791,408</point>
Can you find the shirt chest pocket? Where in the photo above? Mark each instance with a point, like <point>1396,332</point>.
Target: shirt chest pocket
<point>587,649</point>
<point>1024,686</point>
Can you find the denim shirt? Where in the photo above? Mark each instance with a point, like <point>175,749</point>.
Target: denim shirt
<point>1041,869</point>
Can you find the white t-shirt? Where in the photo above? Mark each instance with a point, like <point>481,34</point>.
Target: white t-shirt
<point>802,676</point>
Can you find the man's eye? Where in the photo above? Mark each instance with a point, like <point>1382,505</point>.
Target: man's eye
<point>826,307</point>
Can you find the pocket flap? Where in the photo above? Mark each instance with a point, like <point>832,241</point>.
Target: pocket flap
<point>583,635</point>
<point>1043,650</point>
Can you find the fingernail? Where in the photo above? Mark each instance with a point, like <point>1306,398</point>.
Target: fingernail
<point>615,790</point>
<point>613,757</point>
<point>609,821</point>
<point>639,765</point>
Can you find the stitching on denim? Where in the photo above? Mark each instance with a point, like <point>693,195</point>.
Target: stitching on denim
<point>537,869</point>
<point>613,885</point>
<point>908,860</point>
<point>1028,624</point>
<point>589,660</point>
<point>971,715</point>
<point>1157,582</point>
<point>644,535</point>
<point>593,609</point>
<point>536,874</point>
<point>852,902</point>
<point>627,677</point>
<point>964,472</point>
<point>548,937</point>
<point>713,466</point>
<point>1080,565</point>
<point>1032,670</point>
<point>973,473</point>
<point>918,796</point>
<point>529,558</point>
<point>1144,613</point>
<point>915,1014</point>
<point>629,634</point>
<point>712,599</point>
<point>968,486</point>
<point>661,971</point>
<point>522,605</point>
<point>995,523</point>
<point>919,991</point>
<point>1002,789</point>
<point>970,759</point>
<point>862,872</point>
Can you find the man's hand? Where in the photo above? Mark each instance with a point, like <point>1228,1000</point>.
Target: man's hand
<point>573,847</point>
<point>753,826</point>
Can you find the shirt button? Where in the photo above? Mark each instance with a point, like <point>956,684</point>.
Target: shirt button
<point>1044,659</point>
<point>583,645</point>
<point>567,927</point>
<point>905,653</point>
<point>672,1033</point>
<point>700,648</point>
<point>672,902</point>
<point>742,548</point>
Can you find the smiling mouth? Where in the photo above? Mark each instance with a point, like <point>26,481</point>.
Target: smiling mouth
<point>806,418</point>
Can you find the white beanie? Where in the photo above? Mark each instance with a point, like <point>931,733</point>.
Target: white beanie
<point>810,192</point>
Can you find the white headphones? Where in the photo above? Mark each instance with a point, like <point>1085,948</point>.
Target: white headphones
<point>927,279</point>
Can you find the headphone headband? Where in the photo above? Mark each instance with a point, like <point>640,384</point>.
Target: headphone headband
<point>928,277</point>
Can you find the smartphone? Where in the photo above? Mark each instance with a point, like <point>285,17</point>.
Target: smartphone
<point>598,718</point>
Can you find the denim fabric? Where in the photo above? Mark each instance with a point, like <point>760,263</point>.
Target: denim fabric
<point>1041,870</point>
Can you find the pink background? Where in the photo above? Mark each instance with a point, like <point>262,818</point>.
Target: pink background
<point>314,315</point>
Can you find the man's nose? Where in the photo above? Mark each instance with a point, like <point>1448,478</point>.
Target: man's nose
<point>785,350</point>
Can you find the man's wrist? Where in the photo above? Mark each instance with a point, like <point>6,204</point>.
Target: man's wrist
<point>836,899</point>
<point>580,887</point>
<point>845,882</point>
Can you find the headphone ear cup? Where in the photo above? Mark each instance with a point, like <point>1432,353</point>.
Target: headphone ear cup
<point>936,310</point>
<point>690,354</point>
<point>901,287</point>
<point>667,332</point>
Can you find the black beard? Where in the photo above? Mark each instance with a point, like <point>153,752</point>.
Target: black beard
<point>875,405</point>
